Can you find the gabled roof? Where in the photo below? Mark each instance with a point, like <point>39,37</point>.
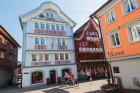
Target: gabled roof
<point>42,8</point>
<point>9,36</point>
<point>89,25</point>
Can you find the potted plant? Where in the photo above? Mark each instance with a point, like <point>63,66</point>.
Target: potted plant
<point>110,88</point>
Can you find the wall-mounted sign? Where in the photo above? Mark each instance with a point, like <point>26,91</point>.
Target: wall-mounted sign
<point>26,72</point>
<point>116,53</point>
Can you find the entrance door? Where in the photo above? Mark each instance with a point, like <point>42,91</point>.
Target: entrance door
<point>65,70</point>
<point>52,76</point>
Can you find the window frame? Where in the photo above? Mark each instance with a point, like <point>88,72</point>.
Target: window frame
<point>107,18</point>
<point>33,57</point>
<point>110,41</point>
<point>131,10</point>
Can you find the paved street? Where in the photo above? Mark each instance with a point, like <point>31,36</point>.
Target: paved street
<point>86,87</point>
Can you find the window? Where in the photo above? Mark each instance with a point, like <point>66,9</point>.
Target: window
<point>53,27</point>
<point>47,26</point>
<point>34,57</point>
<point>46,56</point>
<point>63,42</point>
<point>116,70</point>
<point>67,56</point>
<point>37,77</point>
<point>40,57</point>
<point>52,15</point>
<point>62,28</point>
<point>36,40</point>
<point>61,56</point>
<point>57,27</point>
<point>59,41</point>
<point>56,57</point>
<point>42,26</point>
<point>129,5</point>
<point>37,25</point>
<point>110,16</point>
<point>0,39</point>
<point>134,33</point>
<point>47,15</point>
<point>42,41</point>
<point>114,39</point>
<point>2,54</point>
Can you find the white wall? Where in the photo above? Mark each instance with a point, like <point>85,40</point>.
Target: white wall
<point>128,70</point>
<point>26,81</point>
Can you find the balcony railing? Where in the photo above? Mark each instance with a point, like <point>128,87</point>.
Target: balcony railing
<point>62,62</point>
<point>40,46</point>
<point>40,63</point>
<point>62,47</point>
<point>49,32</point>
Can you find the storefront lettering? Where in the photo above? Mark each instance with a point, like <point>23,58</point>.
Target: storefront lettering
<point>118,53</point>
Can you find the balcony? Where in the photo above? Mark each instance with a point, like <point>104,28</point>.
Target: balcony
<point>50,32</point>
<point>40,63</point>
<point>62,62</point>
<point>41,47</point>
<point>62,47</point>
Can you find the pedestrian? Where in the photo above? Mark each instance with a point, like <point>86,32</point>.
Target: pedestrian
<point>88,74</point>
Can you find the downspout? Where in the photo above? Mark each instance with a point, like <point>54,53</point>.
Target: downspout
<point>104,54</point>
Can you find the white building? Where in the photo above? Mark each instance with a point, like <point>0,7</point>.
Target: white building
<point>48,46</point>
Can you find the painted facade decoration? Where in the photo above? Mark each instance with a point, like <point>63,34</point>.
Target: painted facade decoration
<point>48,46</point>
<point>89,52</point>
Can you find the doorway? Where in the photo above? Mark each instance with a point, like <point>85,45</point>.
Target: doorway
<point>52,76</point>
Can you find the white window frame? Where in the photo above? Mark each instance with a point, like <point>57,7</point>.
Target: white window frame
<point>110,41</point>
<point>48,56</point>
<point>123,7</point>
<point>133,33</point>
<point>107,18</point>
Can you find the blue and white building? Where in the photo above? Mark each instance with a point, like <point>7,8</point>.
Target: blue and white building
<point>48,46</point>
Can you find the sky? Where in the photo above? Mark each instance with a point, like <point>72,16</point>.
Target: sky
<point>10,10</point>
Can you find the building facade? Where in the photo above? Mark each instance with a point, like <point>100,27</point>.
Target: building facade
<point>48,46</point>
<point>89,52</point>
<point>8,58</point>
<point>120,25</point>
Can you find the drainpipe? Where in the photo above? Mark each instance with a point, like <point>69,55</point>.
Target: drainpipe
<point>104,54</point>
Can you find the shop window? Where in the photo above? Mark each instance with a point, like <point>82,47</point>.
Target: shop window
<point>116,70</point>
<point>37,77</point>
<point>129,5</point>
<point>114,39</point>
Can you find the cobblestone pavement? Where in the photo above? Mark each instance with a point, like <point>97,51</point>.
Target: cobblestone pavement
<point>86,87</point>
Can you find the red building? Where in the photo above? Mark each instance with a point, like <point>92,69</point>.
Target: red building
<point>89,53</point>
<point>8,57</point>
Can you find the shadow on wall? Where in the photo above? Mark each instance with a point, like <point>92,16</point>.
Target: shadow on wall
<point>55,90</point>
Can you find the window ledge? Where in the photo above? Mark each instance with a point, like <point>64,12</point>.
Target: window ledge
<point>132,42</point>
<point>130,12</point>
<point>115,46</point>
<point>111,22</point>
